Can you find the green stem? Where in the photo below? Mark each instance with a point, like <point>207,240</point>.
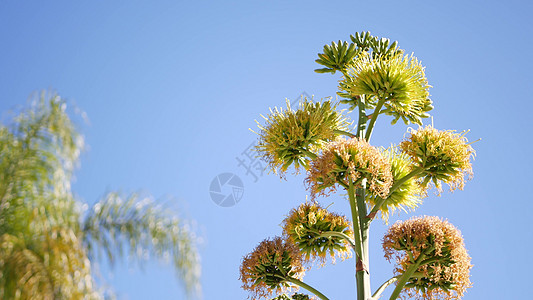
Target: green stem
<point>344,184</point>
<point>359,275</point>
<point>374,118</point>
<point>336,234</point>
<point>309,154</point>
<point>342,132</point>
<point>307,287</point>
<point>406,276</point>
<point>355,219</point>
<point>365,228</point>
<point>432,260</point>
<point>382,288</point>
<point>361,122</point>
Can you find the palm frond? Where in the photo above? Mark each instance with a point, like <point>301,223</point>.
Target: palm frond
<point>23,272</point>
<point>143,228</point>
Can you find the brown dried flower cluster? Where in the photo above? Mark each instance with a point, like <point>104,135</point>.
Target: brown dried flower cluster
<point>444,271</point>
<point>304,226</point>
<point>351,159</point>
<point>445,156</point>
<point>263,271</point>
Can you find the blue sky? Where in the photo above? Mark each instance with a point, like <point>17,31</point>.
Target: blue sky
<point>171,89</point>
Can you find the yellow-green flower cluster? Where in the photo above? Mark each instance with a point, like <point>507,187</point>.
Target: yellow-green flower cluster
<point>290,137</point>
<point>408,194</point>
<point>397,80</point>
<point>265,270</point>
<point>444,156</point>
<point>353,159</point>
<point>305,225</point>
<point>443,271</point>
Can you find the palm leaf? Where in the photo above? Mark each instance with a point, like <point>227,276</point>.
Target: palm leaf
<point>141,226</point>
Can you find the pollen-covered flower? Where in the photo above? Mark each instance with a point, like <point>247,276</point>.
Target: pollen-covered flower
<point>353,159</point>
<point>290,136</point>
<point>305,225</point>
<point>265,270</point>
<point>436,248</point>
<point>444,156</point>
<point>408,194</point>
<point>397,80</point>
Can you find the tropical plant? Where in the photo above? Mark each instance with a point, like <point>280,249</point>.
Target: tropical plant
<point>377,76</point>
<point>48,243</point>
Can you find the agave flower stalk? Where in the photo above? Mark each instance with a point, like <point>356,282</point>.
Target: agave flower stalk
<point>432,262</point>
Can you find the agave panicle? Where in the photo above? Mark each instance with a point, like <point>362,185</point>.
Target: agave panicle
<point>291,137</point>
<point>264,271</point>
<point>304,226</point>
<point>397,80</point>
<point>444,155</point>
<point>444,272</point>
<point>353,159</point>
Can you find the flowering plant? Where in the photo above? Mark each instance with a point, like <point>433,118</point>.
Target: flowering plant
<point>432,262</point>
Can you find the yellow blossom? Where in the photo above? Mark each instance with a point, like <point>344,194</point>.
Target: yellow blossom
<point>398,80</point>
<point>290,136</point>
<point>406,196</point>
<point>264,270</point>
<point>304,226</point>
<point>353,159</point>
<point>444,156</point>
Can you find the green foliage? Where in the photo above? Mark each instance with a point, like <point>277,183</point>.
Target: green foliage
<point>143,227</point>
<point>44,246</point>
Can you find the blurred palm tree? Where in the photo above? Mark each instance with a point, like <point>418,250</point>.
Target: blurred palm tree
<point>47,242</point>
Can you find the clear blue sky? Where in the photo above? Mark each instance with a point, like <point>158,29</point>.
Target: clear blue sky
<point>171,88</point>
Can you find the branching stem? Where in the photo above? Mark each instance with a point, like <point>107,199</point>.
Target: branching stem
<point>336,234</point>
<point>309,154</point>
<point>382,288</point>
<point>395,186</point>
<point>342,132</point>
<point>307,287</point>
<point>374,118</point>
<point>406,276</point>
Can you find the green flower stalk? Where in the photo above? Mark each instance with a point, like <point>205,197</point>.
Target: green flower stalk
<point>292,137</point>
<point>408,195</point>
<point>267,269</point>
<point>354,159</point>
<point>432,251</point>
<point>432,262</point>
<point>444,156</point>
<point>317,232</point>
<point>398,82</point>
